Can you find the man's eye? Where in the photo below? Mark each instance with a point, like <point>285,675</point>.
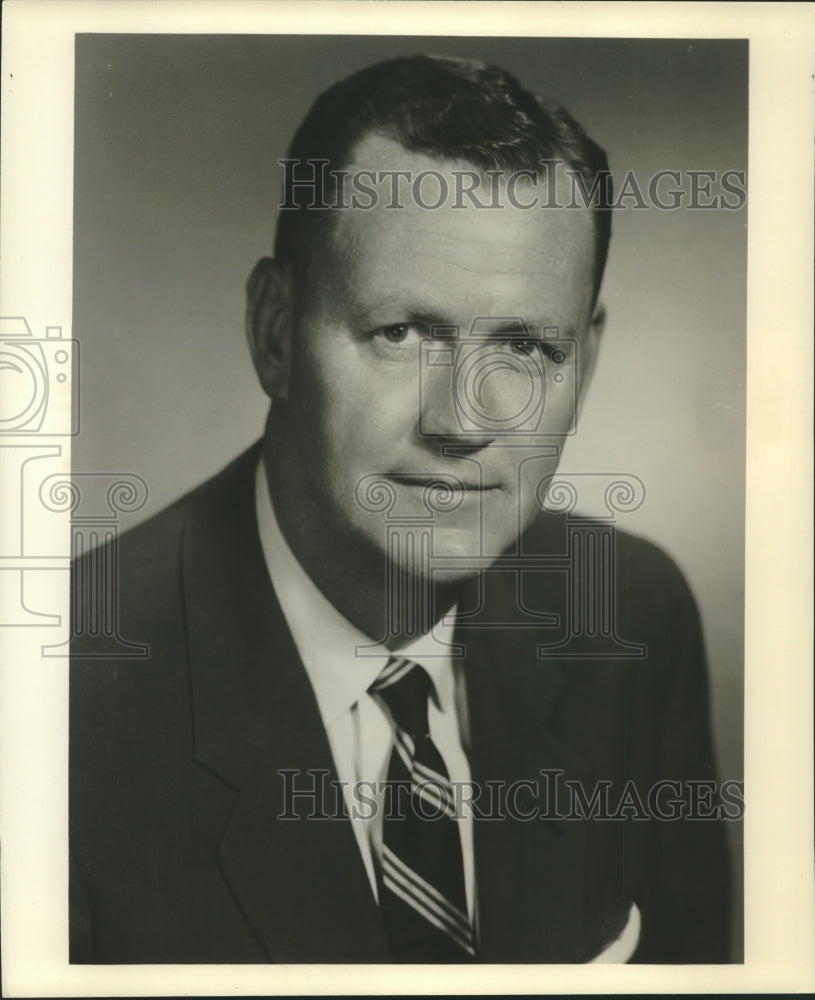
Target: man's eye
<point>398,333</point>
<point>529,345</point>
<point>395,334</point>
<point>539,347</point>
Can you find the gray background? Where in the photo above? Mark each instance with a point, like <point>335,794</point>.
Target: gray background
<point>176,187</point>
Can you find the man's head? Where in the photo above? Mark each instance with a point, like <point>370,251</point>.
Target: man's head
<point>453,110</point>
<point>403,346</point>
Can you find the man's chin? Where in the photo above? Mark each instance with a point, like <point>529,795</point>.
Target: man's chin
<point>458,555</point>
<point>444,554</point>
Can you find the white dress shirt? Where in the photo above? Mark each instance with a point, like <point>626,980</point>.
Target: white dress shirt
<point>342,663</point>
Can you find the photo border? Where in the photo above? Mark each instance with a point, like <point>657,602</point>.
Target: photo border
<point>37,224</point>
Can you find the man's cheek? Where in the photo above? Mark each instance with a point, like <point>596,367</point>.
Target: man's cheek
<point>532,480</point>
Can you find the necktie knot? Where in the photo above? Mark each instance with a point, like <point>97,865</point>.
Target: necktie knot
<point>404,687</point>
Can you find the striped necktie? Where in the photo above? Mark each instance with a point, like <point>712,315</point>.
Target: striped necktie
<point>421,879</point>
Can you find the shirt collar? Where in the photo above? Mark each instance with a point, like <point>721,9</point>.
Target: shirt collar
<point>341,661</point>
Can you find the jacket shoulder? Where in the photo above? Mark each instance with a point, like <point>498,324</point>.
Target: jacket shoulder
<point>156,539</point>
<point>642,573</point>
<point>128,637</point>
<point>153,548</point>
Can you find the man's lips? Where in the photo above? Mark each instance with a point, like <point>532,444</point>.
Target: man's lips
<point>448,480</point>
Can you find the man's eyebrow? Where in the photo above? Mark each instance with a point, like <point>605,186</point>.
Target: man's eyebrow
<point>515,325</point>
<point>394,312</point>
<point>428,317</point>
<point>542,329</point>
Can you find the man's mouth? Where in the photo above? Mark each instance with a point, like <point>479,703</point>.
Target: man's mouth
<point>443,481</point>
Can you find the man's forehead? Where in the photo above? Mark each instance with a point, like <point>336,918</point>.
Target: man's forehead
<point>496,255</point>
<point>405,201</point>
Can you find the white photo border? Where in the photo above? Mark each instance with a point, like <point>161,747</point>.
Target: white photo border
<point>36,280</point>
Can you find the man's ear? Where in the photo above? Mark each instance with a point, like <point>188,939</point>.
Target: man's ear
<point>269,322</point>
<point>588,355</point>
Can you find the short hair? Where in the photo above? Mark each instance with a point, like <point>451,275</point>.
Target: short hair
<point>450,109</point>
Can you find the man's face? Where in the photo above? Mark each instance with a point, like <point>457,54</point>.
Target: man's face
<point>382,398</point>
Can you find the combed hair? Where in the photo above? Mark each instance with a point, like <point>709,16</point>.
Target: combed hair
<point>451,109</point>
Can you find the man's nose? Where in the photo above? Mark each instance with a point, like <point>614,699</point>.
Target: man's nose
<point>445,418</point>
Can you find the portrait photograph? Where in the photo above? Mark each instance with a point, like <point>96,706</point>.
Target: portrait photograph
<point>386,518</point>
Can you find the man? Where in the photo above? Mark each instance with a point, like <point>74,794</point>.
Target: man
<point>370,727</point>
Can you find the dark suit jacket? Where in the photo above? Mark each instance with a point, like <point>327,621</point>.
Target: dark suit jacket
<point>178,851</point>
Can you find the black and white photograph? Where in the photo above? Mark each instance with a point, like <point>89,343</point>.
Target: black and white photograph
<point>396,443</point>
<point>376,594</point>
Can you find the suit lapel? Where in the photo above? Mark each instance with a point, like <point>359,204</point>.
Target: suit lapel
<point>300,883</point>
<point>529,871</point>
